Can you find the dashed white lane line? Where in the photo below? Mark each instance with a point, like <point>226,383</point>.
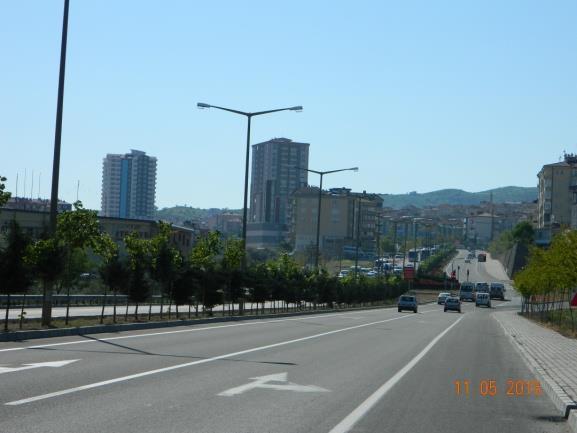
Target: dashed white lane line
<point>347,424</point>
<point>202,361</point>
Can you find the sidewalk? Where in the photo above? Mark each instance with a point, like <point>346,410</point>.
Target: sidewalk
<point>551,356</point>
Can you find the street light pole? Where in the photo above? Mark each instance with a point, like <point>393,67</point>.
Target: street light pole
<point>58,131</point>
<point>415,228</point>
<point>249,116</point>
<point>358,238</point>
<point>321,174</point>
<point>405,247</point>
<point>245,199</point>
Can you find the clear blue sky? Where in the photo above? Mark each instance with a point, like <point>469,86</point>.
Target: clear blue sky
<point>421,95</point>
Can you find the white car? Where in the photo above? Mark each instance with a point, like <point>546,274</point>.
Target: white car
<point>442,298</point>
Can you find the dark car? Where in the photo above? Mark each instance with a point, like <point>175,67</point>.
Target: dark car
<point>452,303</point>
<point>407,302</point>
<point>497,290</point>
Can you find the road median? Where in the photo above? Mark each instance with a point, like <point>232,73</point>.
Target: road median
<point>122,327</point>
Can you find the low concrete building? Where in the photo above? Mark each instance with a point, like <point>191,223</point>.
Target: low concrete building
<point>36,223</point>
<point>340,226</point>
<point>229,224</point>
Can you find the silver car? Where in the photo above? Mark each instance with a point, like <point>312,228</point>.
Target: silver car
<point>484,299</point>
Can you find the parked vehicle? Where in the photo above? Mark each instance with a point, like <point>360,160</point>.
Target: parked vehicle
<point>407,302</point>
<point>497,291</point>
<point>482,257</point>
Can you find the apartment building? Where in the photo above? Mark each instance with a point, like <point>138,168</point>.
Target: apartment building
<point>128,185</point>
<point>557,201</point>
<point>277,172</point>
<point>340,224</point>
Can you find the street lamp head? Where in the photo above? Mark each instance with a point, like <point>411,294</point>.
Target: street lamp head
<point>355,169</point>
<point>202,105</point>
<point>298,108</point>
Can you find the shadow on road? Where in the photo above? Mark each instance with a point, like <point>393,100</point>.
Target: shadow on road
<point>134,351</point>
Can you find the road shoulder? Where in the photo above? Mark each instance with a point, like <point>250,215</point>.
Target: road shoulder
<point>550,356</point>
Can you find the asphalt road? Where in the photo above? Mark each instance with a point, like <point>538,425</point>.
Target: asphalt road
<point>363,371</point>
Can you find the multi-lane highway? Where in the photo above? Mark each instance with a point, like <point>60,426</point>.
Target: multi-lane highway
<point>362,371</point>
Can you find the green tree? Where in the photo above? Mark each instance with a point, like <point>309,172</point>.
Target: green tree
<point>203,258</point>
<point>166,261</point>
<point>259,284</point>
<point>232,257</point>
<point>140,259</point>
<point>78,230</point>
<point>14,273</point>
<point>47,260</point>
<point>524,233</point>
<point>114,272</point>
<point>184,287</point>
<point>4,195</point>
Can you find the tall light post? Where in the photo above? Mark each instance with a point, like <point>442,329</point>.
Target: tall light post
<point>47,294</point>
<point>249,116</point>
<point>58,131</point>
<point>321,174</point>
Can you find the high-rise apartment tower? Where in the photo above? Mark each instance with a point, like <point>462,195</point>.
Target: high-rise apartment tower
<point>276,173</point>
<point>129,185</point>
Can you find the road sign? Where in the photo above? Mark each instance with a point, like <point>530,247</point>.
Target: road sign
<point>279,383</point>
<point>408,273</point>
<point>53,364</point>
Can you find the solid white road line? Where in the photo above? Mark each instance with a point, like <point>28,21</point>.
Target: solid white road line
<point>180,331</point>
<point>347,424</point>
<point>202,361</point>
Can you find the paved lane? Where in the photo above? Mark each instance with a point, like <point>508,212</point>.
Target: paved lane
<point>304,374</point>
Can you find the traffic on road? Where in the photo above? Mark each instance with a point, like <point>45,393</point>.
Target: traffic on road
<point>364,370</point>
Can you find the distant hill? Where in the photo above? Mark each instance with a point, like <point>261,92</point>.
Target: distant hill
<point>459,197</point>
<point>180,214</point>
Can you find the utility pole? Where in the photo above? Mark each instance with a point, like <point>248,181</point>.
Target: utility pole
<point>47,293</point>
<point>415,227</point>
<point>380,266</point>
<point>58,131</point>
<point>358,238</point>
<point>492,217</point>
<point>394,240</point>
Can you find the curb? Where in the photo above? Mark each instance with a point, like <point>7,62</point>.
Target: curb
<point>572,420</point>
<point>565,404</point>
<point>100,329</point>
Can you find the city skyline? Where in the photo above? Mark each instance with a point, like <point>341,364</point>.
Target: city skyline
<point>444,97</point>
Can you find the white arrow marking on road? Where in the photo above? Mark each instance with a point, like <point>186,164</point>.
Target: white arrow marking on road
<point>53,364</point>
<point>263,382</point>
